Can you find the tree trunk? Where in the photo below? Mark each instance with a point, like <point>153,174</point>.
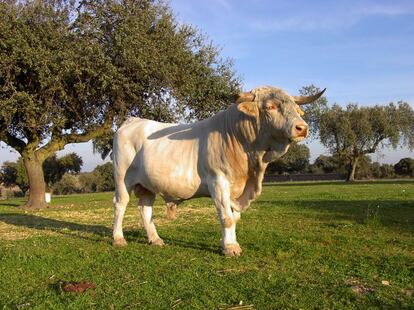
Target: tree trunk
<point>351,171</point>
<point>37,184</point>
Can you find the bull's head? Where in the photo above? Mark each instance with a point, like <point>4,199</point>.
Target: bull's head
<point>278,114</point>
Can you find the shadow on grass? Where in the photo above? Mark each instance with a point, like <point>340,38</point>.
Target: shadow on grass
<point>63,227</point>
<point>101,232</point>
<point>139,236</point>
<point>11,204</point>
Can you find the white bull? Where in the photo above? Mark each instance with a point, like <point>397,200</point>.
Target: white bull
<point>224,157</point>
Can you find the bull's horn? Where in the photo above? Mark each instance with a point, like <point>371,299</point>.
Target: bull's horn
<point>307,99</point>
<point>245,97</point>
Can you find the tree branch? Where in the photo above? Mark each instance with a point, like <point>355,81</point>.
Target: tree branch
<point>374,146</point>
<point>57,143</point>
<point>16,143</point>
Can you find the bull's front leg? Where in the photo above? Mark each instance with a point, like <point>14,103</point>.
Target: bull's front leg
<point>219,188</point>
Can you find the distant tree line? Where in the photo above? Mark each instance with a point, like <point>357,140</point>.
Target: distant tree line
<point>297,161</point>
<point>62,176</point>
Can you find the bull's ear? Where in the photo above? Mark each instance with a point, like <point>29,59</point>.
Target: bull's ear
<point>246,104</point>
<point>248,108</point>
<point>242,97</point>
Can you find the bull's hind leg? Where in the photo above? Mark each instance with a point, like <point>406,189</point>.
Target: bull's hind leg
<point>120,202</point>
<point>145,202</point>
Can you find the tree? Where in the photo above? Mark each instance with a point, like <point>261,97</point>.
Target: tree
<point>68,184</point>
<point>104,178</point>
<point>14,174</point>
<point>54,168</point>
<point>70,71</point>
<point>88,182</point>
<point>405,167</point>
<point>295,160</point>
<point>387,171</point>
<point>364,168</point>
<point>376,170</point>
<point>328,164</point>
<point>312,112</point>
<point>354,131</point>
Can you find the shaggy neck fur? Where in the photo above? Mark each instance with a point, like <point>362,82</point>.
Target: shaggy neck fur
<point>241,160</point>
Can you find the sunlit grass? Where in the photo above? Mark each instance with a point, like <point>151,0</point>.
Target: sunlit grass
<point>306,245</point>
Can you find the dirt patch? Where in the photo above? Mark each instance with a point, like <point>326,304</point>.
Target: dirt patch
<point>359,288</point>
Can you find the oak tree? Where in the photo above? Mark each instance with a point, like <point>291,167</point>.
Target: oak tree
<point>54,168</point>
<point>355,131</point>
<point>71,70</point>
<point>14,174</point>
<point>405,167</point>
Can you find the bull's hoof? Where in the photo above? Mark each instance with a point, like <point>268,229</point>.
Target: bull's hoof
<point>119,243</point>
<point>231,250</point>
<point>159,242</point>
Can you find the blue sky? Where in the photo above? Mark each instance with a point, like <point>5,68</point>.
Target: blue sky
<point>361,51</point>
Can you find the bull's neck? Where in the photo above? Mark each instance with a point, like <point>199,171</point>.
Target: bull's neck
<point>243,134</point>
<point>245,129</point>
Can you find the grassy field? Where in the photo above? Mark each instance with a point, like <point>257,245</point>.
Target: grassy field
<point>306,245</point>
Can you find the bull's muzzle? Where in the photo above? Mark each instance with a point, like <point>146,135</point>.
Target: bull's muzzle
<point>299,131</point>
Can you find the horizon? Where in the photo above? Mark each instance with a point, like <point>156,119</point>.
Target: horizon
<point>361,51</point>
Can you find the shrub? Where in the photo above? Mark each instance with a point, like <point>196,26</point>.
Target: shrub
<point>88,182</point>
<point>405,167</point>
<point>69,184</point>
<point>104,178</point>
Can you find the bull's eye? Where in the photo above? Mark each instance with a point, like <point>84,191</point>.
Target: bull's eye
<point>271,105</point>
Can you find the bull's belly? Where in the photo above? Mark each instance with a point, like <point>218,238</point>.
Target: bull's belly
<point>174,176</point>
<point>174,186</point>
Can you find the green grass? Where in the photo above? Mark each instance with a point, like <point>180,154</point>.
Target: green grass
<point>306,245</point>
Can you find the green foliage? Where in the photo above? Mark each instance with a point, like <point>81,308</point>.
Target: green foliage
<point>71,71</point>
<point>405,167</point>
<point>54,168</point>
<point>305,246</point>
<point>355,131</point>
<point>383,171</point>
<point>68,184</point>
<point>364,168</point>
<point>314,110</point>
<point>88,182</point>
<point>8,173</point>
<point>71,68</point>
<point>361,130</point>
<point>99,180</point>
<point>104,178</point>
<point>328,164</point>
<point>387,171</point>
<point>14,174</point>
<point>294,161</point>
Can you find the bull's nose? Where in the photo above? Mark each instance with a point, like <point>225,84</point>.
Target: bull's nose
<point>301,130</point>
